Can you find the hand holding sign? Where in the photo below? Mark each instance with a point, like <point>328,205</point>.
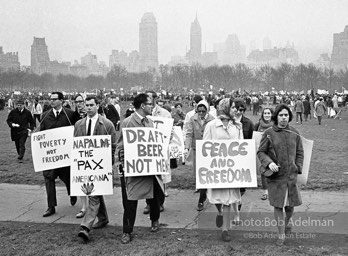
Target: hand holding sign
<point>87,189</point>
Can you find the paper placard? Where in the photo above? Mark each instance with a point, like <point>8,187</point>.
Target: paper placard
<point>225,164</point>
<point>145,151</point>
<point>91,166</point>
<point>51,148</point>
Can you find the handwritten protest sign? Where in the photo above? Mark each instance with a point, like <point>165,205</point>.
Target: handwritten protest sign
<point>225,164</point>
<point>91,166</point>
<point>144,151</point>
<point>307,149</point>
<point>176,145</point>
<point>51,148</point>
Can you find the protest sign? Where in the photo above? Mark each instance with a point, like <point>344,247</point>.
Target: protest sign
<point>225,164</point>
<point>51,149</point>
<point>144,151</point>
<point>91,166</point>
<point>176,144</point>
<point>307,149</point>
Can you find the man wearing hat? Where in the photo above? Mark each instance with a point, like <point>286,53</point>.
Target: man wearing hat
<point>20,121</point>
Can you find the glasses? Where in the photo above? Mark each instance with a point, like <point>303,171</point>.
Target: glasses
<point>53,98</point>
<point>241,109</point>
<point>79,101</point>
<point>201,111</point>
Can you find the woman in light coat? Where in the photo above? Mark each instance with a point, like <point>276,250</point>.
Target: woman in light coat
<point>224,127</point>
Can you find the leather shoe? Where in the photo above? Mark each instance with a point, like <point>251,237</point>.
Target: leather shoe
<point>161,208</point>
<point>100,224</point>
<point>81,214</point>
<point>84,234</point>
<point>200,207</point>
<point>126,238</point>
<point>50,211</point>
<point>147,209</point>
<point>155,226</point>
<point>73,200</point>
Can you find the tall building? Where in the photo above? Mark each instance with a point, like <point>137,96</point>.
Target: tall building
<point>91,62</point>
<point>233,51</point>
<point>148,48</point>
<point>8,61</point>
<point>339,56</point>
<point>267,44</point>
<point>195,52</point>
<point>40,60</point>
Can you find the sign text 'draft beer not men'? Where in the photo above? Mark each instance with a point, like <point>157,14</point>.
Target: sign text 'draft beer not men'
<point>145,150</point>
<point>226,164</point>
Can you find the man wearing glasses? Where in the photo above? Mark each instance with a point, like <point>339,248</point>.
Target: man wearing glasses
<point>20,121</point>
<point>141,187</point>
<point>56,117</point>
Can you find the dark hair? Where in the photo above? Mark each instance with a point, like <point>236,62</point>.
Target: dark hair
<point>216,103</point>
<point>279,108</point>
<point>239,103</point>
<point>267,108</point>
<point>154,95</point>
<point>60,95</point>
<point>197,98</point>
<point>178,104</point>
<point>140,99</point>
<point>202,105</point>
<point>78,95</point>
<point>93,97</point>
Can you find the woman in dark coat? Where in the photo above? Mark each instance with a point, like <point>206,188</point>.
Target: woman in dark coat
<point>281,151</point>
<point>307,108</point>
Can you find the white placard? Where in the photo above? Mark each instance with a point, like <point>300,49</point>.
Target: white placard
<point>307,149</point>
<point>225,164</point>
<point>91,166</point>
<point>163,124</point>
<point>176,145</point>
<point>145,151</point>
<point>51,148</point>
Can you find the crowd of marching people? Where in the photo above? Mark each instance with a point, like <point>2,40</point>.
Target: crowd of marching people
<point>212,117</point>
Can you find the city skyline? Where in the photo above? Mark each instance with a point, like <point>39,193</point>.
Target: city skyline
<point>72,29</point>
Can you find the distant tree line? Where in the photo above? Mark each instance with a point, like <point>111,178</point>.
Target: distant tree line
<point>175,78</point>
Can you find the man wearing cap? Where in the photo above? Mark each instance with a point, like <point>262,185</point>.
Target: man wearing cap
<point>56,117</point>
<point>20,121</point>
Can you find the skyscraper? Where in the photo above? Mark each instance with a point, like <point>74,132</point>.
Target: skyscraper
<point>339,56</point>
<point>40,61</point>
<point>195,53</point>
<point>148,48</point>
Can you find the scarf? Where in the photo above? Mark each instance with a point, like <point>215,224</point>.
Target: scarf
<point>263,125</point>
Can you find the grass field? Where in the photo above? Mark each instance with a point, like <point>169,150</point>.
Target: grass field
<point>328,171</point>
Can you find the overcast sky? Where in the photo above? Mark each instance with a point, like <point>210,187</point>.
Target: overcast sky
<point>73,28</point>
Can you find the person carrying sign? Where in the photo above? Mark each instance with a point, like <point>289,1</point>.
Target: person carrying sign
<point>95,124</point>
<point>195,129</point>
<point>56,117</point>
<point>281,151</point>
<point>224,127</point>
<point>140,187</point>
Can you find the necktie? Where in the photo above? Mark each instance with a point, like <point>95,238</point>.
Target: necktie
<point>144,120</point>
<point>57,113</point>
<point>89,127</point>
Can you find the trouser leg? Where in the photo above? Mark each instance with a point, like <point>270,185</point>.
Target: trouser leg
<point>202,196</point>
<point>21,144</point>
<point>50,184</point>
<point>92,212</point>
<point>17,146</point>
<point>155,201</point>
<point>263,182</point>
<point>129,209</point>
<point>64,175</point>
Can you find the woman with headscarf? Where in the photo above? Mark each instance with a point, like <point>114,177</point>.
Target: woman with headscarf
<point>262,125</point>
<point>281,151</point>
<point>224,127</point>
<point>194,132</point>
